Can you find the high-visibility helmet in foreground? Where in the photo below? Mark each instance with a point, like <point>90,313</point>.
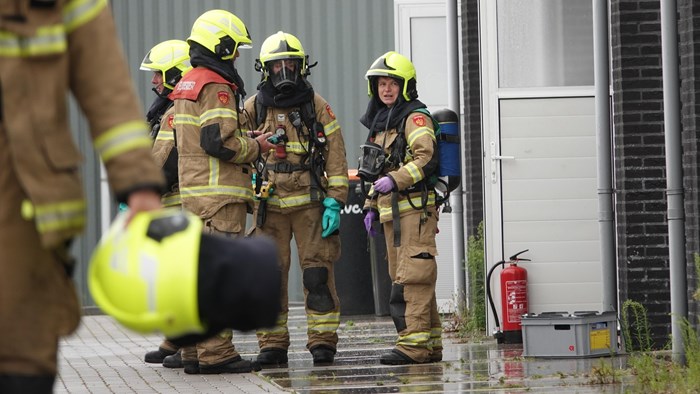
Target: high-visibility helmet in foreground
<point>285,51</point>
<point>145,274</point>
<point>171,58</point>
<point>161,273</point>
<point>221,32</point>
<point>393,64</point>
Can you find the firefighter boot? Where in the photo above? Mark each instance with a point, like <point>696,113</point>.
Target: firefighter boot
<point>173,360</point>
<point>436,355</point>
<point>157,356</point>
<point>273,358</point>
<point>323,355</point>
<point>234,365</point>
<point>396,357</point>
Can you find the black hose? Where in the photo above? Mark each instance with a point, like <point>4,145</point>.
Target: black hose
<point>488,292</point>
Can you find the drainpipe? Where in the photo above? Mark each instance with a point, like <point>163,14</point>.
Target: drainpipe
<point>674,176</point>
<point>453,84</point>
<point>606,213</point>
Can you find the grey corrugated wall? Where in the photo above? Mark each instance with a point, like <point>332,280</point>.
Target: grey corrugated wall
<point>343,36</point>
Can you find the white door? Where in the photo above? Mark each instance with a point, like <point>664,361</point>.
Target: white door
<point>540,149</point>
<point>421,35</point>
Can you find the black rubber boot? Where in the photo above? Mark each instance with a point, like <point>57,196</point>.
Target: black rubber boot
<point>235,365</point>
<point>157,356</point>
<point>191,367</point>
<point>273,358</point>
<point>396,357</point>
<point>173,360</point>
<point>323,355</point>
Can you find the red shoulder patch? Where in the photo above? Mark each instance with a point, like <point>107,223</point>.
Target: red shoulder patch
<point>223,97</point>
<point>419,120</point>
<point>171,119</point>
<point>330,111</point>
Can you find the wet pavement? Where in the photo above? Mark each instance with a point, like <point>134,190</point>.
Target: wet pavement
<point>104,357</point>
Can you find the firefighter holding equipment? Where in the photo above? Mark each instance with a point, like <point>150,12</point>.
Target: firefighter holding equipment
<point>214,155</point>
<point>168,61</point>
<point>309,172</point>
<point>403,200</point>
<point>48,49</point>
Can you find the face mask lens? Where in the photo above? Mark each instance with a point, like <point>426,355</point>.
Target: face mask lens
<point>371,162</point>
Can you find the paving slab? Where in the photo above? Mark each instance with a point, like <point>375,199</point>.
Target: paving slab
<point>104,357</point>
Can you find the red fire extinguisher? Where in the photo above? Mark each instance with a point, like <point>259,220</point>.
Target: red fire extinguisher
<point>513,299</point>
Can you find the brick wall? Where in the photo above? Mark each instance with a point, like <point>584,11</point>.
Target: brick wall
<point>689,38</point>
<point>471,122</point>
<point>642,232</point>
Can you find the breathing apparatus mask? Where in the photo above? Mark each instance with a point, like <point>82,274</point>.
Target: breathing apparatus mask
<point>284,79</point>
<point>371,162</point>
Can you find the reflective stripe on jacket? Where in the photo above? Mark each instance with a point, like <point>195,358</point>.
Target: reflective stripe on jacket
<point>44,53</point>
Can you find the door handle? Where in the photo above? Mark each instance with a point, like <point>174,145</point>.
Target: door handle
<point>496,157</point>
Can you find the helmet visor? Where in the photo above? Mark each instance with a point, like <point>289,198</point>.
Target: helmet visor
<point>284,73</point>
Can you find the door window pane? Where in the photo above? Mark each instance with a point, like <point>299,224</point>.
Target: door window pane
<point>545,43</point>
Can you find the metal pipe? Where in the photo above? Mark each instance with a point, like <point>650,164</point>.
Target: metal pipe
<point>674,176</point>
<point>606,213</point>
<point>453,83</point>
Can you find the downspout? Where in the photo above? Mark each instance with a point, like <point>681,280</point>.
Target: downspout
<point>453,84</point>
<point>674,177</point>
<point>606,212</point>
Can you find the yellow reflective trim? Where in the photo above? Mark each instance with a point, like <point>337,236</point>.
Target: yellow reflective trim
<point>220,190</point>
<point>213,170</point>
<point>172,200</point>
<point>414,172</point>
<point>60,215</point>
<point>297,147</point>
<point>165,135</point>
<point>419,132</point>
<point>244,147</point>
<point>186,119</point>
<point>289,202</point>
<point>217,113</point>
<point>48,40</point>
<point>122,138</point>
<point>419,339</point>
<point>331,127</point>
<point>405,206</point>
<point>338,180</point>
<point>328,322</point>
<point>79,12</point>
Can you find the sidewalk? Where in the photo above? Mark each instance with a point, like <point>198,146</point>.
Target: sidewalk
<point>104,357</point>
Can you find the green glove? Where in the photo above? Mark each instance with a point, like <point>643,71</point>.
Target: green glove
<point>331,216</point>
<point>123,207</point>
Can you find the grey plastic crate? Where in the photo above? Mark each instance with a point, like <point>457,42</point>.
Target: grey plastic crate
<point>560,334</point>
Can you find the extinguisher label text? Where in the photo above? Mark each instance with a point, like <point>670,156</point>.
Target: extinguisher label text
<point>516,292</point>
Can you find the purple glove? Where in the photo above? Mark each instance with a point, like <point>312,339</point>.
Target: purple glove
<point>384,185</point>
<point>370,217</point>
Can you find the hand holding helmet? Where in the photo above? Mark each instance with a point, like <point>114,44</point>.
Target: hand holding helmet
<point>160,273</point>
<point>370,217</point>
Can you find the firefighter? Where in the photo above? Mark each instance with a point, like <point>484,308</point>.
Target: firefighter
<point>403,200</point>
<point>48,49</point>
<point>214,156</point>
<point>300,188</point>
<point>168,61</point>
